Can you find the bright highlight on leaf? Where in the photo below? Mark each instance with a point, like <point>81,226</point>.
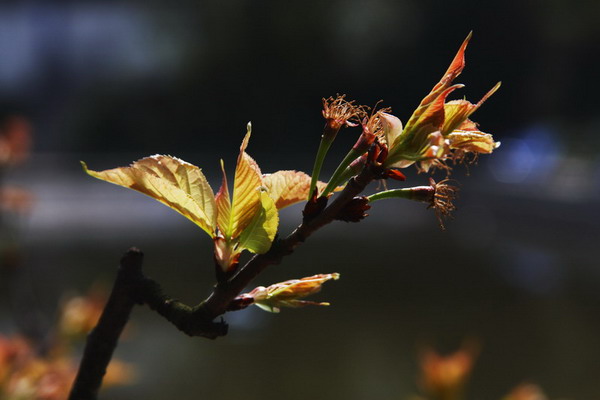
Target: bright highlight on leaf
<point>223,202</point>
<point>289,293</point>
<point>246,195</point>
<point>173,182</point>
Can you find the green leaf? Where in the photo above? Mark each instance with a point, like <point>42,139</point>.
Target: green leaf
<point>260,232</point>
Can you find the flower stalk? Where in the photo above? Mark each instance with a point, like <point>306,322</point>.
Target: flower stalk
<point>338,113</point>
<point>439,196</point>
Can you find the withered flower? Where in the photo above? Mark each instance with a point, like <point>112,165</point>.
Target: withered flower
<point>442,199</point>
<point>339,112</point>
<point>372,128</point>
<point>438,195</point>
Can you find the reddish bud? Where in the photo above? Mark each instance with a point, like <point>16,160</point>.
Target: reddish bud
<point>355,210</point>
<point>394,174</point>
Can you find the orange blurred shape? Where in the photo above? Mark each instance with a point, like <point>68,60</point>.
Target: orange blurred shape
<point>15,140</point>
<point>443,377</point>
<point>526,391</point>
<point>16,199</point>
<point>41,379</point>
<point>80,314</point>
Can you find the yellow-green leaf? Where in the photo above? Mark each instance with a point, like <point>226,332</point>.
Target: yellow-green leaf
<point>289,187</point>
<point>246,191</point>
<point>173,182</point>
<point>260,232</point>
<point>223,204</point>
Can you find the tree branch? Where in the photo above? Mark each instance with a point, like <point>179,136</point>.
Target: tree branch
<point>102,341</point>
<point>132,287</point>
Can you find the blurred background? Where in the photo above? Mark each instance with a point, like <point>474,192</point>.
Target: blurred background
<point>110,82</point>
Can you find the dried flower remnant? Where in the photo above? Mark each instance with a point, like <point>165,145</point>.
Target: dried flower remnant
<point>442,201</point>
<point>438,195</point>
<point>339,112</point>
<point>289,293</point>
<point>372,127</point>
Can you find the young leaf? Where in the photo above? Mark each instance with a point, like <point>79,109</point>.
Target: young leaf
<point>246,193</point>
<point>429,115</point>
<point>173,182</point>
<point>290,293</point>
<point>260,232</point>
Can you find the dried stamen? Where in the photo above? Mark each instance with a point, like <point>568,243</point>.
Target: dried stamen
<point>339,112</point>
<point>441,201</point>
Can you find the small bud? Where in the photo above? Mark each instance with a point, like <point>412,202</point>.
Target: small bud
<point>289,293</point>
<point>355,210</point>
